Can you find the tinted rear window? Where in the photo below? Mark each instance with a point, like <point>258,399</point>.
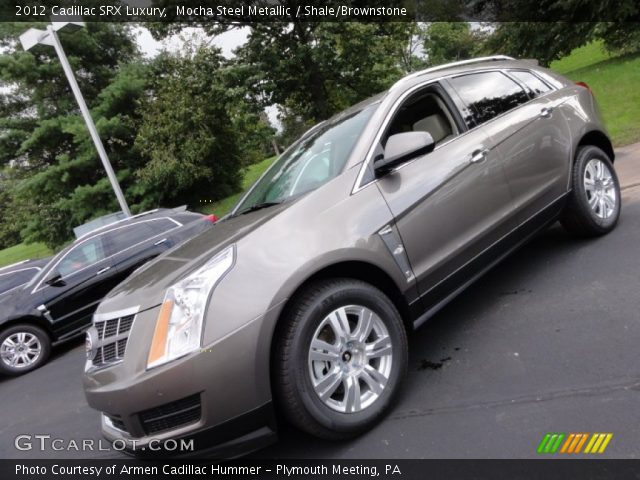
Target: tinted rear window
<point>536,86</point>
<point>125,237</point>
<point>487,94</point>
<point>187,217</point>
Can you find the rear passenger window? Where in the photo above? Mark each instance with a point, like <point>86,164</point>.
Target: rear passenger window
<point>487,95</point>
<point>161,225</point>
<point>535,86</point>
<point>125,237</point>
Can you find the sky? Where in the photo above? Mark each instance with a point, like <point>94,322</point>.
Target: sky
<point>227,41</point>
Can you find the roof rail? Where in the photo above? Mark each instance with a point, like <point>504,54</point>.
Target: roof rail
<point>493,58</point>
<point>122,220</point>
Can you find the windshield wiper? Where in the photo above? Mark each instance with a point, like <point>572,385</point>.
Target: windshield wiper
<point>257,206</point>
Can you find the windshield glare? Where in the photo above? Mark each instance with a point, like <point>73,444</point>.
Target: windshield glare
<point>314,160</point>
<point>45,270</point>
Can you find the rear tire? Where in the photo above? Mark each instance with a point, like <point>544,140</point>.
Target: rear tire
<point>594,202</point>
<point>23,348</point>
<point>340,358</point>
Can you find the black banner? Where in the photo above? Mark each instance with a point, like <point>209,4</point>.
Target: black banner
<point>322,469</point>
<point>251,11</point>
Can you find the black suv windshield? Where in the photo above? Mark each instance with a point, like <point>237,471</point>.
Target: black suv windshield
<point>312,161</point>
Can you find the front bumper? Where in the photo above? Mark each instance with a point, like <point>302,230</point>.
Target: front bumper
<point>219,396</point>
<point>236,437</point>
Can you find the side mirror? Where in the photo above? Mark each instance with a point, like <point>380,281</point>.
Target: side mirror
<point>401,148</point>
<point>55,279</point>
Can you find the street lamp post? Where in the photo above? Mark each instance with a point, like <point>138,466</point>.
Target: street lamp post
<point>33,37</point>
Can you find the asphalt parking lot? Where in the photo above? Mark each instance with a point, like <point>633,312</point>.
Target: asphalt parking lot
<point>546,342</point>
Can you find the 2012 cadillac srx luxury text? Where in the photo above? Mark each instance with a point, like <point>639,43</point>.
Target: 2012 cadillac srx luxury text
<point>301,299</point>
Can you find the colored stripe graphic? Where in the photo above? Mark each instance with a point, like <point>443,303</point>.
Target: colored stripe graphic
<point>550,442</point>
<point>574,443</point>
<point>598,443</point>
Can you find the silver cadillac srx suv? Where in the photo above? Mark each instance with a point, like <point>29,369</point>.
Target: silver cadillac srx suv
<point>300,300</point>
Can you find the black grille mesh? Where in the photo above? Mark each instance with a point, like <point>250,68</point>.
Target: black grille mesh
<point>171,415</point>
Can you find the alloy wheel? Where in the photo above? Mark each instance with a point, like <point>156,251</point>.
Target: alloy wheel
<point>20,350</point>
<point>600,188</point>
<point>350,358</point>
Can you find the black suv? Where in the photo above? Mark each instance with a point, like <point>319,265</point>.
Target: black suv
<point>19,274</point>
<point>58,302</point>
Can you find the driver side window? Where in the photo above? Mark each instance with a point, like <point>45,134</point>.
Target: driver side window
<point>424,111</point>
<point>82,256</point>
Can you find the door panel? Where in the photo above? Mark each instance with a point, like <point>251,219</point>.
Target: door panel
<point>447,208</point>
<point>535,144</point>
<point>72,305</point>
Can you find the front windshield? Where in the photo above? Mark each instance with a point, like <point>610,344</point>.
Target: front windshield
<point>315,159</point>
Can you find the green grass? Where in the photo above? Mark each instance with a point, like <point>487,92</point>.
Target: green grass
<point>615,83</point>
<point>251,174</point>
<point>581,57</point>
<point>23,251</point>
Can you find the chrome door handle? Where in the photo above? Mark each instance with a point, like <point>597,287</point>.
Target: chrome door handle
<point>160,242</point>
<point>100,272</point>
<point>546,112</point>
<point>479,155</point>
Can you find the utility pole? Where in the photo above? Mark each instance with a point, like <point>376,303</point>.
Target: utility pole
<point>33,37</point>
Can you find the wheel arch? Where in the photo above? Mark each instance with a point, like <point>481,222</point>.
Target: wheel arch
<point>356,270</point>
<point>29,320</point>
<point>598,139</point>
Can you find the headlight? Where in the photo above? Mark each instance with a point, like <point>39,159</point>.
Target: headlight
<point>179,324</point>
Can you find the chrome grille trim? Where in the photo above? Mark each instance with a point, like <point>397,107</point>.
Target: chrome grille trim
<point>112,335</point>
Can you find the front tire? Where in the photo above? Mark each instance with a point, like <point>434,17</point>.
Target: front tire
<point>594,202</point>
<point>340,358</point>
<point>23,348</point>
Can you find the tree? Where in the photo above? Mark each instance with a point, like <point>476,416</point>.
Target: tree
<point>188,133</point>
<point>544,42</point>
<point>450,41</point>
<point>60,182</point>
<point>317,69</point>
<point>314,68</point>
<point>549,29</point>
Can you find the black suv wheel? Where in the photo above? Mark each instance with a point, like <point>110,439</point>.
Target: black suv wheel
<point>23,348</point>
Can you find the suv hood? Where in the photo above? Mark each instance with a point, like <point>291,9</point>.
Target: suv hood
<point>16,303</point>
<point>146,287</point>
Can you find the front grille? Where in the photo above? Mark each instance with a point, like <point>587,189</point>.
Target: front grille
<point>112,340</point>
<point>171,415</point>
<point>116,421</point>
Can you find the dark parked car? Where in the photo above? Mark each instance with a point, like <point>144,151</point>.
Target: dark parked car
<point>302,297</point>
<point>19,274</point>
<point>59,301</point>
